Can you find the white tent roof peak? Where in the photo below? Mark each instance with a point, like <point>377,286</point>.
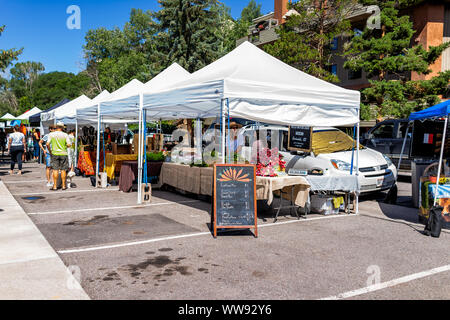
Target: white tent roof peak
<point>248,63</point>
<point>8,116</point>
<point>259,87</point>
<point>69,109</point>
<point>131,88</point>
<point>29,113</point>
<point>166,78</point>
<point>101,96</point>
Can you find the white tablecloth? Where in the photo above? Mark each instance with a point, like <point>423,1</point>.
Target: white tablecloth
<point>333,183</point>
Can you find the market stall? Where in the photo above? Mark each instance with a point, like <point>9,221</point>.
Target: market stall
<point>235,85</point>
<point>435,180</point>
<point>123,104</point>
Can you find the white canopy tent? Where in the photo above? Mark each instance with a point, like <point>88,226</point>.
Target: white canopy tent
<point>8,116</point>
<point>51,116</point>
<point>246,83</point>
<point>249,83</point>
<point>95,110</point>
<point>29,113</point>
<point>70,116</point>
<point>258,87</point>
<point>123,104</point>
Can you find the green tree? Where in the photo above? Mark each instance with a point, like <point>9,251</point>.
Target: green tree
<point>388,59</point>
<point>187,34</point>
<point>7,56</point>
<point>251,11</point>
<point>237,29</point>
<point>114,57</point>
<point>50,88</point>
<point>304,41</point>
<point>23,75</point>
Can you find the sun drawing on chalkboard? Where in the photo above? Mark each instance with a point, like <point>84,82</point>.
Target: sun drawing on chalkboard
<point>233,175</point>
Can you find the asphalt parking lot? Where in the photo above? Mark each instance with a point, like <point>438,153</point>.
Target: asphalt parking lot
<point>164,250</point>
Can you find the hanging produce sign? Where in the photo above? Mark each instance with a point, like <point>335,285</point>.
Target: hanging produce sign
<point>300,139</point>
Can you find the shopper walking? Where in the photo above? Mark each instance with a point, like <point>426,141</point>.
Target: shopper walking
<point>36,139</point>
<point>47,157</point>
<point>58,142</point>
<point>16,147</point>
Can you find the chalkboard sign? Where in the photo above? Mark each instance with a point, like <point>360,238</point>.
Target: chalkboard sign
<point>300,139</point>
<point>234,197</point>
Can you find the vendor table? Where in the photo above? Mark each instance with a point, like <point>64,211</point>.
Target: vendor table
<point>295,186</point>
<point>128,173</point>
<point>114,161</point>
<point>198,180</point>
<point>333,183</point>
<point>344,184</point>
<point>86,162</point>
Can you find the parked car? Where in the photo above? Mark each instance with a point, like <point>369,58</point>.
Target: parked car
<point>377,172</point>
<point>387,137</point>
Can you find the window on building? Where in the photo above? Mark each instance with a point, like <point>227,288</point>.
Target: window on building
<point>334,44</point>
<point>352,75</point>
<point>334,69</point>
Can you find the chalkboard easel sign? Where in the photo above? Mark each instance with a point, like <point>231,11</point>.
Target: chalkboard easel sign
<point>234,197</point>
<point>300,139</point>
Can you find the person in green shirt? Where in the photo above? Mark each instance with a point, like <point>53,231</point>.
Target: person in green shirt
<point>58,142</point>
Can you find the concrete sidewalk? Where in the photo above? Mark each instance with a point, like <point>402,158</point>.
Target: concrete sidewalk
<point>29,267</point>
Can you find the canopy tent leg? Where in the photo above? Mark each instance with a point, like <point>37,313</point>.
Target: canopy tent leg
<point>357,167</point>
<point>76,143</point>
<point>139,199</point>
<point>144,147</point>
<point>440,161</point>
<point>198,141</point>
<point>403,149</point>
<point>229,133</point>
<point>97,162</point>
<point>222,115</point>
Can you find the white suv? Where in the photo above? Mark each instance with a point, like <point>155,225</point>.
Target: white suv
<point>331,155</point>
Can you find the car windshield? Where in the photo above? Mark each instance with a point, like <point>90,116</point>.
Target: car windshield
<point>331,140</point>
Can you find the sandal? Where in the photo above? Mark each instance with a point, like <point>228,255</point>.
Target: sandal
<point>52,189</point>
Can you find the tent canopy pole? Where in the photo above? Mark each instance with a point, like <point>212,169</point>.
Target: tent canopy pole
<point>440,161</point>
<point>403,149</point>
<point>357,166</point>
<point>76,143</point>
<point>97,165</point>
<point>140,144</point>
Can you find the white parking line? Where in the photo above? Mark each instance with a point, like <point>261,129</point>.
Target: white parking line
<point>65,191</point>
<point>125,244</point>
<point>114,208</point>
<point>23,181</point>
<point>390,283</point>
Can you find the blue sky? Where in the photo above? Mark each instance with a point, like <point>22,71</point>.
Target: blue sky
<point>40,26</point>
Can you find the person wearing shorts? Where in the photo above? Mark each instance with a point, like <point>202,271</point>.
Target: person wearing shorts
<point>58,142</point>
<point>47,156</point>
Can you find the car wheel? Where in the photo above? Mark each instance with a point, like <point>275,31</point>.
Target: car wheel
<point>391,196</point>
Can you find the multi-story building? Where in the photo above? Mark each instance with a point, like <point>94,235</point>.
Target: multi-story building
<point>431,20</point>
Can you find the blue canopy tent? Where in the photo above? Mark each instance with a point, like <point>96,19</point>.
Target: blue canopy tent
<point>440,110</point>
